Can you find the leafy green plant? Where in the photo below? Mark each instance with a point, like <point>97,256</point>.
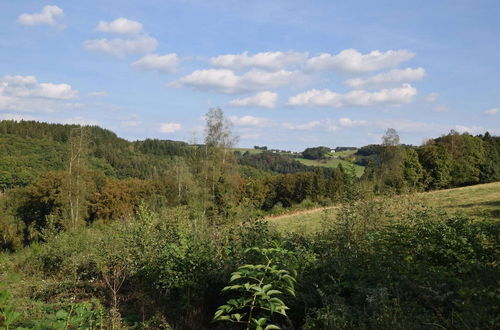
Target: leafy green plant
<point>82,315</point>
<point>260,287</point>
<point>7,314</point>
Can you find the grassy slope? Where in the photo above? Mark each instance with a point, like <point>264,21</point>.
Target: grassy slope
<point>479,202</point>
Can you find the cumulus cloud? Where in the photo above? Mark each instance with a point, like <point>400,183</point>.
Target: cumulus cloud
<point>15,116</point>
<point>271,61</point>
<point>409,126</point>
<point>167,63</point>
<point>120,26</point>
<point>395,76</point>
<point>357,98</point>
<point>80,121</point>
<point>431,97</point>
<point>28,86</point>
<point>352,61</point>
<point>470,129</point>
<point>55,91</point>
<point>25,93</point>
<point>347,122</point>
<point>301,127</point>
<point>263,99</point>
<point>47,16</point>
<point>250,121</point>
<point>330,125</point>
<point>226,81</point>
<point>170,127</point>
<point>121,47</point>
<point>492,111</point>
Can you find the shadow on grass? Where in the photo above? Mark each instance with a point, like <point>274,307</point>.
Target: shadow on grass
<point>489,209</point>
<point>489,203</point>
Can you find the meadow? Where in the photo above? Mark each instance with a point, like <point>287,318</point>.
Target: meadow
<point>480,202</point>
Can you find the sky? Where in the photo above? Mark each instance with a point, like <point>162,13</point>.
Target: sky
<point>288,74</point>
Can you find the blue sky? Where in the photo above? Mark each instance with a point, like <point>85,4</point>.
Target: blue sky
<point>288,74</point>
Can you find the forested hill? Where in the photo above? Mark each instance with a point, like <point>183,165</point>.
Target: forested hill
<point>29,148</point>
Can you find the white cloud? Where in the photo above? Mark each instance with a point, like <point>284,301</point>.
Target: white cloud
<point>16,117</point>
<point>263,99</point>
<point>352,61</point>
<point>395,76</point>
<point>409,126</point>
<point>47,16</point>
<point>97,94</point>
<point>347,122</point>
<point>330,125</point>
<point>271,61</point>
<point>121,47</point>
<point>170,127</point>
<point>357,98</point>
<point>80,121</point>
<point>163,63</point>
<point>431,97</point>
<point>55,91</point>
<point>492,111</point>
<point>471,129</point>
<point>301,127</point>
<point>28,86</point>
<point>120,26</point>
<point>20,80</point>
<point>226,81</point>
<point>250,121</point>
<point>25,93</point>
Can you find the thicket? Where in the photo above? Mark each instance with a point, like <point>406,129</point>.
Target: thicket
<point>379,264</point>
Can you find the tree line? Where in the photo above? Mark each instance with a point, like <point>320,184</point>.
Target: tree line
<point>452,160</point>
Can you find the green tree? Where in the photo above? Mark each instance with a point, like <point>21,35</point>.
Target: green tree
<point>389,172</point>
<point>214,161</point>
<point>437,162</point>
<point>391,137</point>
<point>413,171</point>
<point>467,153</point>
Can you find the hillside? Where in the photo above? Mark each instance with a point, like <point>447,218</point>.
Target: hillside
<point>480,202</point>
<point>29,148</point>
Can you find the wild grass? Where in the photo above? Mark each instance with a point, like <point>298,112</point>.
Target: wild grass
<point>480,202</point>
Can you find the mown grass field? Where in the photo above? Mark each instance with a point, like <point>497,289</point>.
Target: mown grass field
<point>481,202</point>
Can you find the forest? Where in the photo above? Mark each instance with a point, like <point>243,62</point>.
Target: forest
<point>100,232</point>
